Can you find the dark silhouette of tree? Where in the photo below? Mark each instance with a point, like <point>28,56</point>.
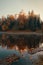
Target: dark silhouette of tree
<point>30,22</point>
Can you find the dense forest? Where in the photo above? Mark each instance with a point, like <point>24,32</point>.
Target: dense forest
<point>30,22</point>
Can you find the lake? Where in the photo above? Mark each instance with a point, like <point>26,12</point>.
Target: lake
<point>27,47</point>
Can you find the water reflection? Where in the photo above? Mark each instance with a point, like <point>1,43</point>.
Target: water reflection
<point>24,46</point>
<point>21,42</point>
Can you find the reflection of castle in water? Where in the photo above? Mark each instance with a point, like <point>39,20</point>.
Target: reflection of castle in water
<point>21,41</point>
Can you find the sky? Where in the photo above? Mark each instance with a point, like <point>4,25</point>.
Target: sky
<point>15,6</point>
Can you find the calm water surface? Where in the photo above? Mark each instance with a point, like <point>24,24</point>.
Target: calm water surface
<point>8,47</point>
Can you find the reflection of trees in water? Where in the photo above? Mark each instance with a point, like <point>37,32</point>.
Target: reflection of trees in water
<point>30,41</point>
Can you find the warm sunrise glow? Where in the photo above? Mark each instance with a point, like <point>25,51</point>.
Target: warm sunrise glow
<point>8,7</point>
<point>41,45</point>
